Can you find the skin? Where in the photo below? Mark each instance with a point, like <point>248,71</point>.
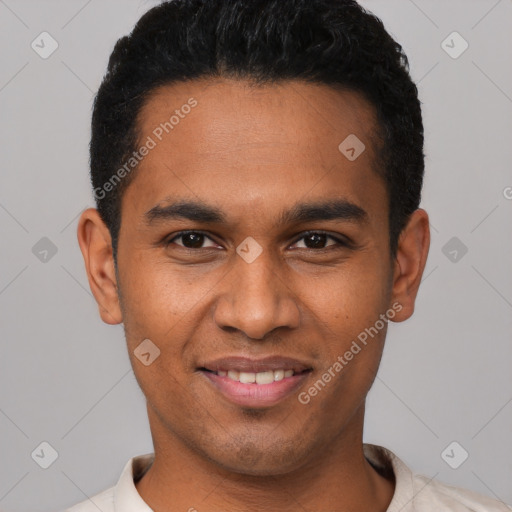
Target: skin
<point>252,153</point>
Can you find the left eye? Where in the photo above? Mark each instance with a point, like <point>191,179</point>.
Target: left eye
<point>318,240</point>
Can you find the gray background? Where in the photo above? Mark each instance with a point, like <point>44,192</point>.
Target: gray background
<point>65,377</point>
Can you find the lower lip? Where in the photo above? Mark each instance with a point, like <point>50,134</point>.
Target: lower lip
<point>256,395</point>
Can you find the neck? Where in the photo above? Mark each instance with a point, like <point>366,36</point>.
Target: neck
<point>181,479</point>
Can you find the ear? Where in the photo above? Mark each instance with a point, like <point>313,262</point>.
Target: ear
<point>96,246</point>
<point>411,257</point>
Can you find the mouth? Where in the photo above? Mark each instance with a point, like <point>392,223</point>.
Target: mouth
<point>255,383</point>
<point>261,378</point>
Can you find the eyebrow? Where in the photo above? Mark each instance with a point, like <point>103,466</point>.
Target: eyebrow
<point>198,211</point>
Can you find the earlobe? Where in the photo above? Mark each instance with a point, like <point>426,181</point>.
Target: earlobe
<point>96,246</point>
<point>411,257</point>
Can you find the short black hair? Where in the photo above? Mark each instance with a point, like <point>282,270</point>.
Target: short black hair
<point>332,42</point>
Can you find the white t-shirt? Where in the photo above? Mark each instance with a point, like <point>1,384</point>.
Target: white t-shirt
<point>413,493</point>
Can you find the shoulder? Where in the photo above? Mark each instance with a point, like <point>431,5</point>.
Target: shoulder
<point>103,501</point>
<point>415,492</point>
<point>435,495</point>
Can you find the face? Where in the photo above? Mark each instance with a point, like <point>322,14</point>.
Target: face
<point>251,243</point>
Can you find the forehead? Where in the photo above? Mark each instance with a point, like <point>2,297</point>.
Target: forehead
<point>293,112</point>
<point>267,141</point>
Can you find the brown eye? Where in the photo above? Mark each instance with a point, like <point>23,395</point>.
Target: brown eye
<point>315,241</point>
<point>192,240</point>
<point>319,240</point>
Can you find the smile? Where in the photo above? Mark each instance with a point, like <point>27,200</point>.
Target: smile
<point>266,377</point>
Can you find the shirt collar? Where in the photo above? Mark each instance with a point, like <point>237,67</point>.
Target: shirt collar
<point>127,498</point>
<point>385,459</point>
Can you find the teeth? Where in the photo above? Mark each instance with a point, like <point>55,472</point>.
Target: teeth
<point>264,377</point>
<point>259,378</point>
<point>234,375</point>
<point>247,378</point>
<point>278,374</point>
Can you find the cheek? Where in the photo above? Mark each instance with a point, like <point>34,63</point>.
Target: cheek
<point>347,307</point>
<point>155,293</point>
<point>354,295</point>
<point>164,305</point>
<point>150,304</point>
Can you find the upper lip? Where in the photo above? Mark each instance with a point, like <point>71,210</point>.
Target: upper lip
<point>246,364</point>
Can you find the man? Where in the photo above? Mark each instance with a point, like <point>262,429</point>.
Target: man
<point>257,167</point>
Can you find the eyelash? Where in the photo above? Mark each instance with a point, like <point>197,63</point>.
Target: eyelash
<point>339,241</point>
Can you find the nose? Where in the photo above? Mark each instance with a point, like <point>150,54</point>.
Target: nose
<point>255,298</point>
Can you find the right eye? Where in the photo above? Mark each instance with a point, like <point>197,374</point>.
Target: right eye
<point>191,240</point>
